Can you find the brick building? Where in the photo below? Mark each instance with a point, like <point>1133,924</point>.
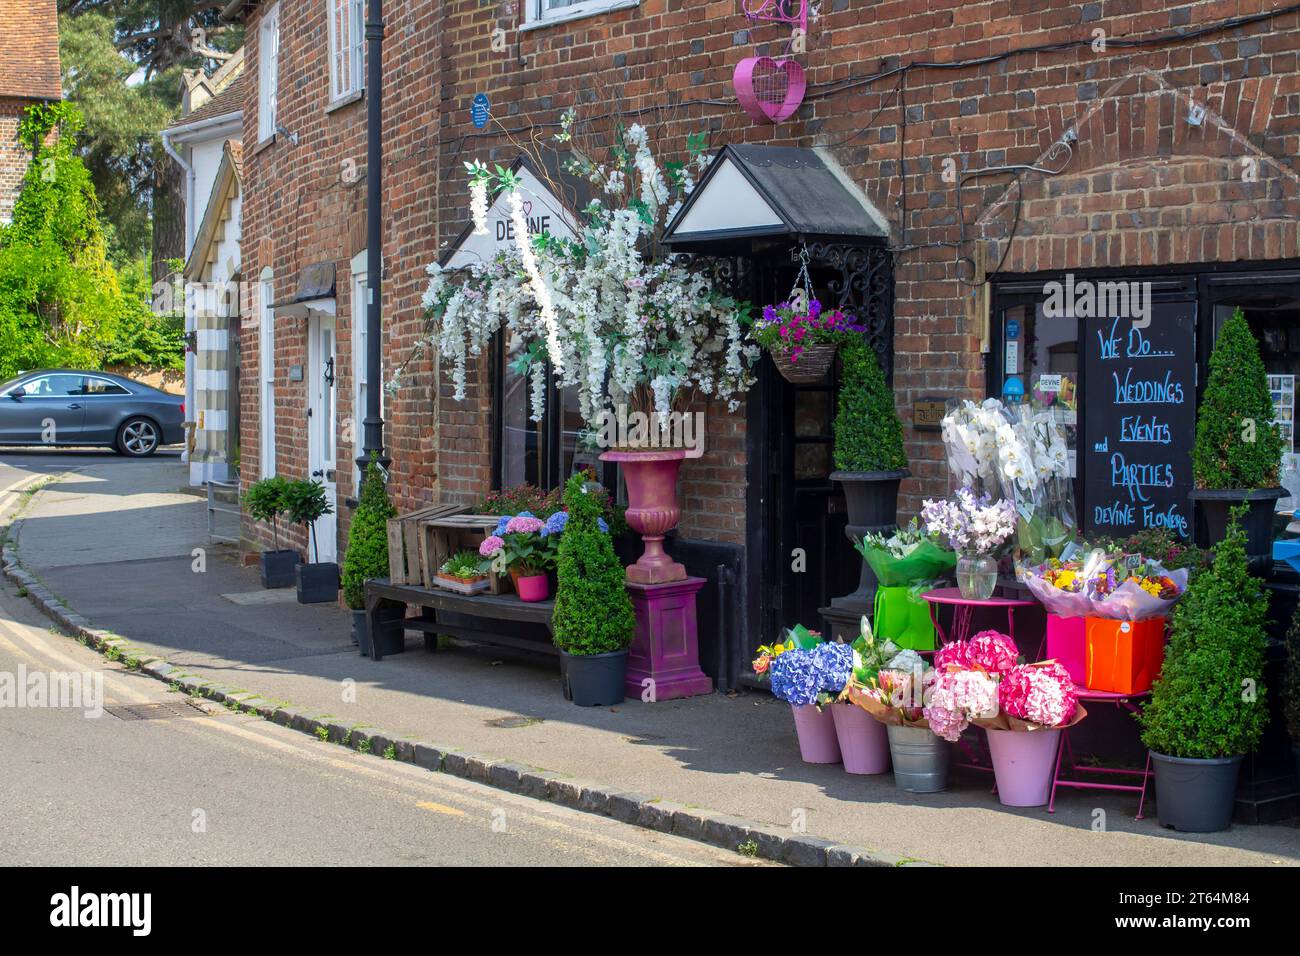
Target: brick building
<point>29,74</point>
<point>1124,140</point>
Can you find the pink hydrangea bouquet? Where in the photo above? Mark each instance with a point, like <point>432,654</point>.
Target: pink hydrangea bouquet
<point>1036,697</point>
<point>959,697</point>
<point>990,651</point>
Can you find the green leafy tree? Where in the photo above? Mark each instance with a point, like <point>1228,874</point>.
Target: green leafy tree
<point>1237,446</point>
<point>593,613</point>
<point>1209,700</point>
<point>868,434</point>
<point>305,503</point>
<point>265,501</point>
<point>367,555</point>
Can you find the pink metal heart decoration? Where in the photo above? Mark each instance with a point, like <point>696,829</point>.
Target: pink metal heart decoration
<point>758,81</point>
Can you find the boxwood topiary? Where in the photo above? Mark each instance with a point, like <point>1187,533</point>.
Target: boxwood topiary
<point>1291,680</point>
<point>1209,699</point>
<point>868,434</point>
<point>593,613</point>
<point>1237,446</point>
<point>367,555</point>
<point>266,501</point>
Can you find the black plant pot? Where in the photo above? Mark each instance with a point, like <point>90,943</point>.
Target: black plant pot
<point>1195,796</point>
<point>1213,505</point>
<point>279,568</point>
<point>318,583</point>
<point>593,680</point>
<point>872,501</point>
<point>359,629</point>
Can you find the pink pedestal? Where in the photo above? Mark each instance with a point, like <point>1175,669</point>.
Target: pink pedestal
<point>666,647</point>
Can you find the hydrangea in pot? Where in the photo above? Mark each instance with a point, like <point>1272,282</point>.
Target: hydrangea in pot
<point>593,623</point>
<point>1238,450</point>
<point>521,548</point>
<point>809,674</point>
<point>367,554</point>
<point>1207,708</point>
<point>265,502</point>
<point>869,459</point>
<point>609,312</point>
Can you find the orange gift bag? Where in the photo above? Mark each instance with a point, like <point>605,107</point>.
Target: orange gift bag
<point>1124,657</point>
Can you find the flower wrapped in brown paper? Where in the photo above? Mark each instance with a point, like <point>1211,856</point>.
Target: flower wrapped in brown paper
<point>1004,721</point>
<point>892,716</point>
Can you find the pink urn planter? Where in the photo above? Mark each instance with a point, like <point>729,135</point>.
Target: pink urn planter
<point>651,477</point>
<point>863,742</point>
<point>816,731</point>
<point>1022,765</point>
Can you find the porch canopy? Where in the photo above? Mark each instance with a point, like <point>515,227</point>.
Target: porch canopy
<point>751,195</point>
<point>314,293</point>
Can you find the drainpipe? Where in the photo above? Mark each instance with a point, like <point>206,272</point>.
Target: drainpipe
<point>373,436</point>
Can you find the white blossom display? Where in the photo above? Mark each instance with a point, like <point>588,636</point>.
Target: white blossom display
<point>611,314</point>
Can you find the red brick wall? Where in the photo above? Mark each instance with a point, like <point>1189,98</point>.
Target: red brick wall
<point>13,157</point>
<point>1142,187</point>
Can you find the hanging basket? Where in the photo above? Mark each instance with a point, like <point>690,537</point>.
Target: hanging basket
<point>812,368</point>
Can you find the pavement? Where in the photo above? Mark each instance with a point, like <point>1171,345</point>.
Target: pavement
<point>116,542</point>
<point>229,789</point>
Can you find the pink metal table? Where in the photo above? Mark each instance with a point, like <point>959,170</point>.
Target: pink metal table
<point>1125,701</point>
<point>964,610</point>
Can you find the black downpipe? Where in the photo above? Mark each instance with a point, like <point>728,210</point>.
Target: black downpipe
<point>373,437</point>
<point>723,662</point>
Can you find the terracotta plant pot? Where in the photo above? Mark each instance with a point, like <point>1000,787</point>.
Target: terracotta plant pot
<point>651,477</point>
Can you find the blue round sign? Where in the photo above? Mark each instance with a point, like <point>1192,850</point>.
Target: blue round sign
<point>480,110</point>
<point>1013,328</point>
<point>1013,388</point>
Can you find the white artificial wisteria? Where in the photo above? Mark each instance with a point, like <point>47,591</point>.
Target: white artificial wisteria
<point>478,198</point>
<point>612,315</point>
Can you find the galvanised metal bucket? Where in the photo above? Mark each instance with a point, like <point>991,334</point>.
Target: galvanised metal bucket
<point>920,759</point>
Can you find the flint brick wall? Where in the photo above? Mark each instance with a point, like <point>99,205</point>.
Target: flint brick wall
<point>1140,186</point>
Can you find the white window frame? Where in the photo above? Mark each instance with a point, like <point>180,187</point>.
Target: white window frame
<point>268,73</point>
<point>360,302</point>
<point>349,45</point>
<point>266,377</point>
<point>539,13</point>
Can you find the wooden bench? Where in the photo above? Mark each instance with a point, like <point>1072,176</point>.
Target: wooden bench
<point>507,621</point>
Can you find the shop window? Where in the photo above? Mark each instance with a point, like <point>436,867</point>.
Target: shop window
<point>541,453</point>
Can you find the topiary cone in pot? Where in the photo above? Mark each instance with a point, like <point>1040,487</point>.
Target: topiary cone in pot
<point>1238,450</point>
<point>1207,708</point>
<point>367,554</point>
<point>593,623</point>
<point>869,459</point>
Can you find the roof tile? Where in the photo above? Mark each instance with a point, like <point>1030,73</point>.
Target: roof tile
<point>29,50</point>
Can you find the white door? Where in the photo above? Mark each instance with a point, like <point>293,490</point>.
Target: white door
<point>322,412</point>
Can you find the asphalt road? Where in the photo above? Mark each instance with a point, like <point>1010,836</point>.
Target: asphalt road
<point>214,788</point>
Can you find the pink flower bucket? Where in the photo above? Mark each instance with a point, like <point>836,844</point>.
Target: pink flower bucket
<point>816,730</point>
<point>536,587</point>
<point>1067,643</point>
<point>862,739</point>
<point>1023,761</point>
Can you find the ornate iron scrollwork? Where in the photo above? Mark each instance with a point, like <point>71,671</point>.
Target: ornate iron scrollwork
<point>863,286</point>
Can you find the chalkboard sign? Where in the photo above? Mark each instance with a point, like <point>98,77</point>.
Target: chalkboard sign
<point>1139,421</point>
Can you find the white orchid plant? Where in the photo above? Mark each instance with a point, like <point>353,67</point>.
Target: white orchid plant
<point>609,312</point>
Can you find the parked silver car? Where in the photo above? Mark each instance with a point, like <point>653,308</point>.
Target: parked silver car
<point>65,407</point>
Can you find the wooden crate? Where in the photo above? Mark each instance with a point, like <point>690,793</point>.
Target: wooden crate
<point>441,536</point>
<point>404,566</point>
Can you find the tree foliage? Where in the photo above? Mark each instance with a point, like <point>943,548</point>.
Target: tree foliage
<point>62,304</point>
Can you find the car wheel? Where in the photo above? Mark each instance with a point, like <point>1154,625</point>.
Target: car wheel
<point>137,438</point>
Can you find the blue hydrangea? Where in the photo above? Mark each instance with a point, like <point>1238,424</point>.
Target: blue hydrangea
<point>501,525</point>
<point>600,523</point>
<point>795,677</point>
<point>834,663</point>
<point>555,523</point>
